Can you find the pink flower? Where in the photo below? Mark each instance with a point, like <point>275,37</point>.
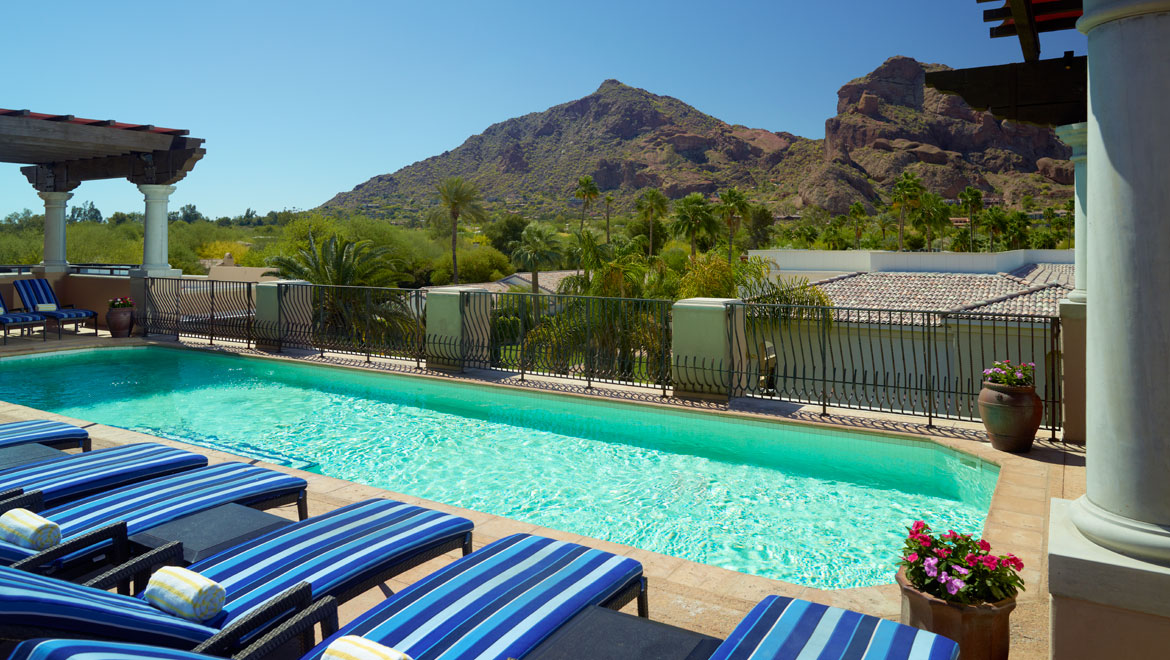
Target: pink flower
<point>930,566</point>
<point>918,526</point>
<point>942,552</point>
<point>912,557</point>
<point>952,534</point>
<point>972,559</point>
<point>990,562</point>
<point>954,584</point>
<point>943,577</point>
<point>960,570</point>
<point>984,545</point>
<point>1014,562</point>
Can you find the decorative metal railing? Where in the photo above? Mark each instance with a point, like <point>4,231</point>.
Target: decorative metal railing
<point>200,308</point>
<point>15,269</point>
<point>351,319</point>
<point>911,362</point>
<point>610,340</point>
<point>903,361</point>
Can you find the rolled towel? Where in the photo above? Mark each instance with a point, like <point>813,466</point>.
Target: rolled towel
<point>352,647</point>
<point>184,593</point>
<point>46,307</point>
<point>28,530</point>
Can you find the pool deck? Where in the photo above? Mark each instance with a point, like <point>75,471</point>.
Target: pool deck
<point>696,596</point>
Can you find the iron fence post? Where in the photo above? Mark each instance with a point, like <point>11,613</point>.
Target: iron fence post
<point>523,333</point>
<point>588,343</point>
<point>280,288</point>
<point>665,350</point>
<point>418,310</point>
<point>824,362</point>
<point>211,320</point>
<point>729,370</point>
<point>366,323</point>
<point>929,369</point>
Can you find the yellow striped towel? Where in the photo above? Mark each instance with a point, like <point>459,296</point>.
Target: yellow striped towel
<point>184,593</point>
<point>352,647</point>
<point>28,530</point>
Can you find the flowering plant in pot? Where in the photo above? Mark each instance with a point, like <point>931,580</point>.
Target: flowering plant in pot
<point>954,586</point>
<point>1008,404</point>
<point>120,316</point>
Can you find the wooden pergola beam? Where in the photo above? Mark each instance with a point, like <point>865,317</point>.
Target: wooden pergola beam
<point>158,167</point>
<point>1025,29</point>
<point>20,135</point>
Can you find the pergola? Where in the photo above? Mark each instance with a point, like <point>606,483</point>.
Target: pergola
<point>62,151</point>
<point>1109,550</point>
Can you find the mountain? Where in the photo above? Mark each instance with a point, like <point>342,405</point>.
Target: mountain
<point>629,139</point>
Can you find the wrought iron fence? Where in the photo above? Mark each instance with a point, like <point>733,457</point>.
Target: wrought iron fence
<point>902,361</point>
<point>202,308</point>
<point>611,340</point>
<point>350,319</point>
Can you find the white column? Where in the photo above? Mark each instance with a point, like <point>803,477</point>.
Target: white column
<point>1075,136</point>
<point>54,260</point>
<point>154,248</point>
<point>1127,503</point>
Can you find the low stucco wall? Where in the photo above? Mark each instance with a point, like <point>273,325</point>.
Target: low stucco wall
<point>93,292</point>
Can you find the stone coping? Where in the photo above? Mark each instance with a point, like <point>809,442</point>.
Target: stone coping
<point>696,596</point>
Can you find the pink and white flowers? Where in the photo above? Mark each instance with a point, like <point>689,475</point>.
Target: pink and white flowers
<point>1006,373</point>
<point>959,568</point>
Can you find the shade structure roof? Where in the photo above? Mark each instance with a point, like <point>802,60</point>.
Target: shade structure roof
<point>61,151</point>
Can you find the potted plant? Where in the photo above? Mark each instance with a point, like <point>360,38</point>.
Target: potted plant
<point>120,316</point>
<point>1009,407</point>
<point>953,586</point>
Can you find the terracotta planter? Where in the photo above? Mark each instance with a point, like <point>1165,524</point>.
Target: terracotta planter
<point>120,321</point>
<point>1011,415</point>
<point>982,631</point>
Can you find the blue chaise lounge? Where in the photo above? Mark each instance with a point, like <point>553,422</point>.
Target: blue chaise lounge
<point>37,296</point>
<point>20,319</point>
<point>44,431</point>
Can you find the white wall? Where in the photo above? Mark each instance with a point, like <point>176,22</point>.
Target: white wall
<point>810,262</point>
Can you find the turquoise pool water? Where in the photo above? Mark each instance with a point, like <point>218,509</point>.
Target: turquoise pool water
<point>818,507</point>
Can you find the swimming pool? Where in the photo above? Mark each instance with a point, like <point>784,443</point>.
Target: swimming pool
<point>814,506</point>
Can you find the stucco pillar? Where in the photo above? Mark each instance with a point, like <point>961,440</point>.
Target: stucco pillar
<point>1073,309</point>
<point>458,328</point>
<point>155,244</point>
<point>1127,504</point>
<point>709,349</point>
<point>54,260</point>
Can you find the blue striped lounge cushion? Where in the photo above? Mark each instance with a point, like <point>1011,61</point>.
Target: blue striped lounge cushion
<point>497,602</point>
<point>781,627</point>
<point>333,552</point>
<point>13,318</point>
<point>35,604</point>
<point>76,649</point>
<point>36,291</point>
<point>73,475</point>
<point>40,430</point>
<point>157,501</point>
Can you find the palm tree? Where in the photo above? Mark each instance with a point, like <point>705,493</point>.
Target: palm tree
<point>693,218</point>
<point>906,193</point>
<point>972,199</point>
<point>535,251</point>
<point>859,219</point>
<point>652,206</point>
<point>997,222</point>
<point>460,199</point>
<point>732,206</point>
<point>586,192</point>
<point>885,222</point>
<point>608,205</point>
<point>931,216</point>
<point>339,262</point>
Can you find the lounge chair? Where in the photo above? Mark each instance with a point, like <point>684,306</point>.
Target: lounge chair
<point>76,475</point>
<point>151,503</point>
<point>20,319</point>
<point>338,554</point>
<point>776,629</point>
<point>779,627</point>
<point>498,602</point>
<point>46,432</point>
<point>37,296</point>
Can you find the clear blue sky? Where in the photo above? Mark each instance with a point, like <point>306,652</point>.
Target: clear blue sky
<point>301,100</point>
